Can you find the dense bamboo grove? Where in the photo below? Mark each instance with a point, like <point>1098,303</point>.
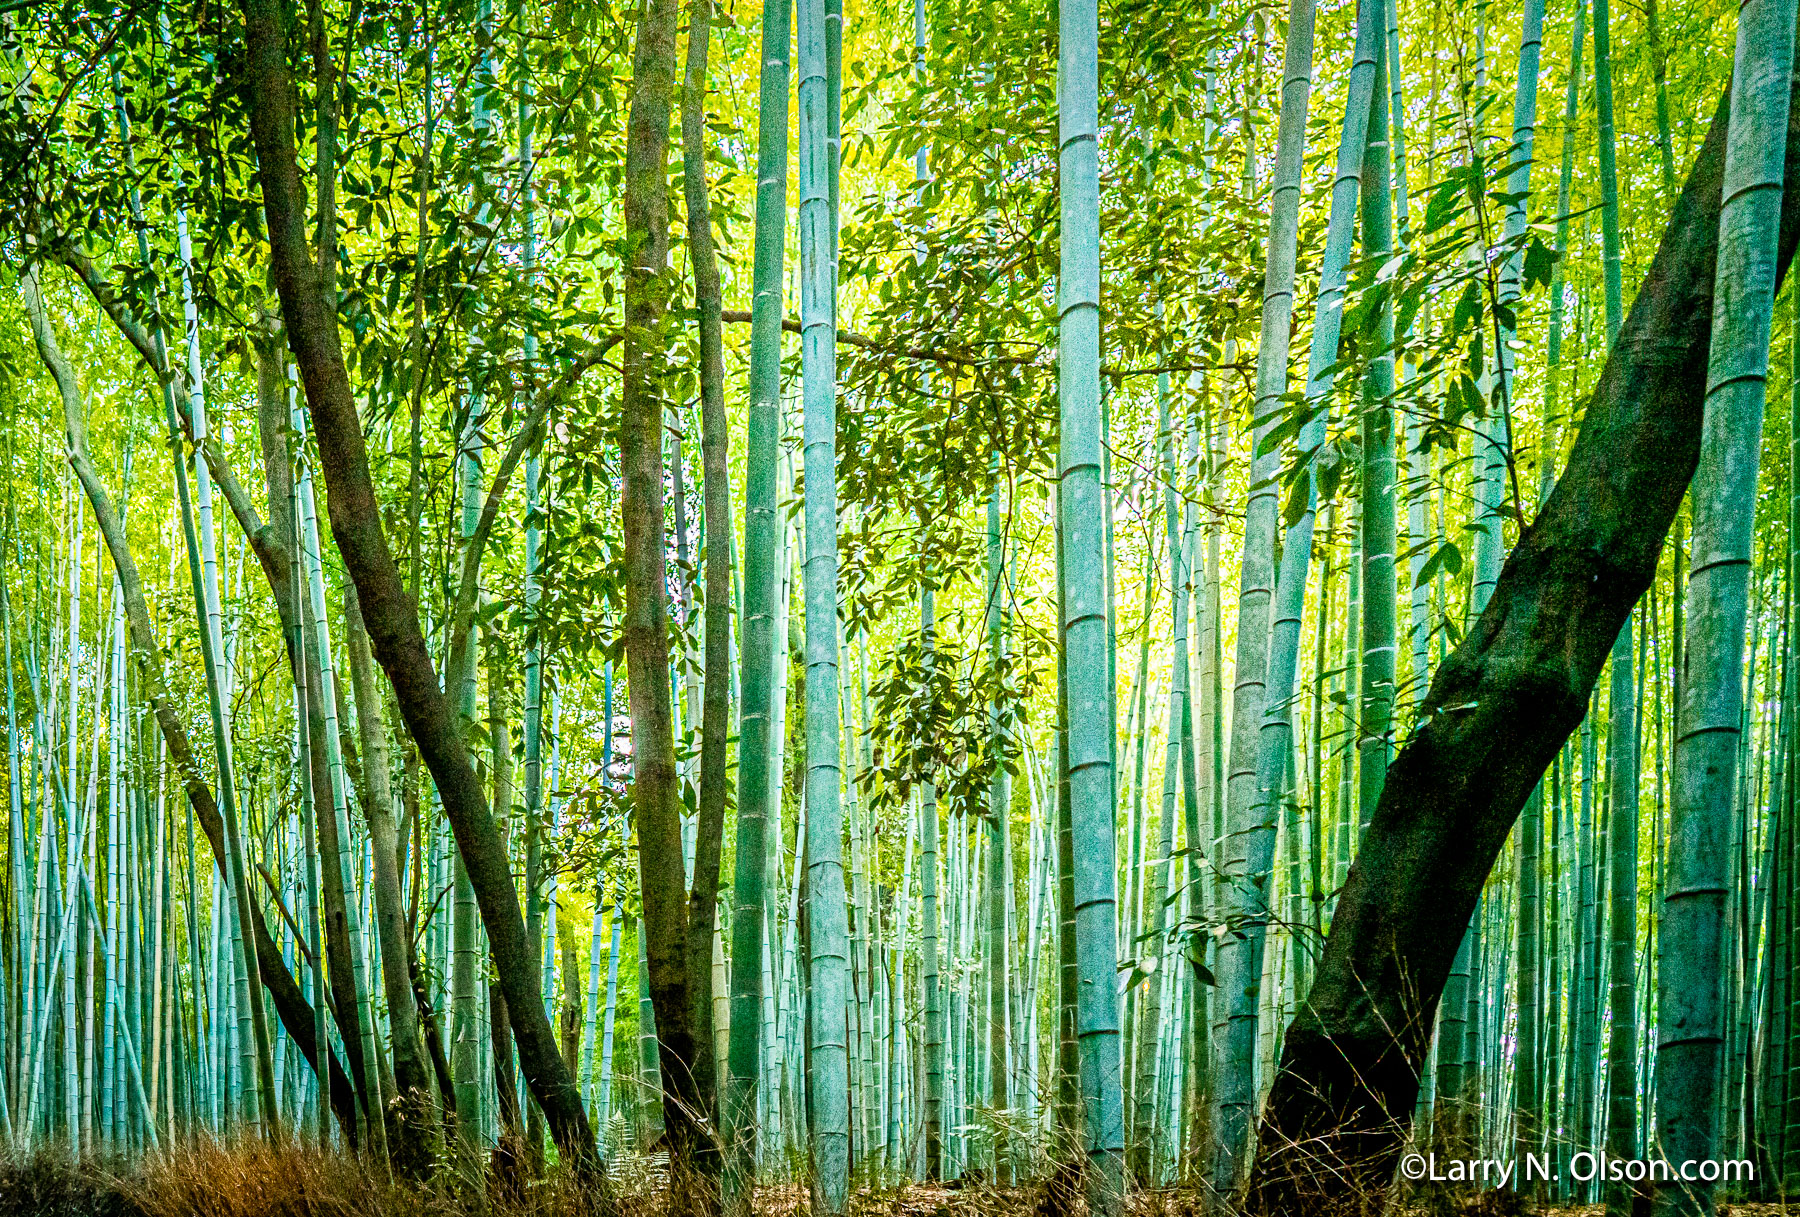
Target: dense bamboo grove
<point>1148,597</point>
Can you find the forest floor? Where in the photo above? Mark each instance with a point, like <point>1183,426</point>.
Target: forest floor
<point>207,1180</point>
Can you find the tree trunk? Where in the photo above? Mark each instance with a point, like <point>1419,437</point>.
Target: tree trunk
<point>506,1090</point>
<point>715,707</point>
<point>412,1123</point>
<point>389,611</point>
<point>664,927</point>
<point>1500,706</point>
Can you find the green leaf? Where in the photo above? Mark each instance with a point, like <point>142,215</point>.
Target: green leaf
<point>1540,261</point>
<point>1447,560</point>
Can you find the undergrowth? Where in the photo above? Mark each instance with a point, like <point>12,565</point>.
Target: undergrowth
<point>206,1179</point>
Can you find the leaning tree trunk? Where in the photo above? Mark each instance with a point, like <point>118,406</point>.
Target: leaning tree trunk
<point>389,612</point>
<point>1501,705</point>
<point>291,1006</point>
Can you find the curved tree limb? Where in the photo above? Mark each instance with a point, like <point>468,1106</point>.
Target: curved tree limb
<point>389,611</point>
<point>462,608</point>
<point>295,1012</point>
<point>1499,708</point>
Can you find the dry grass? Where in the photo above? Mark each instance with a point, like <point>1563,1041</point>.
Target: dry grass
<point>204,1179</point>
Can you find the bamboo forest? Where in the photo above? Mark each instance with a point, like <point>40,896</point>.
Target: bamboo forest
<point>1115,608</point>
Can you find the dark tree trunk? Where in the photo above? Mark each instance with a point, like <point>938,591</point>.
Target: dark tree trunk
<point>275,545</point>
<point>506,1085</point>
<point>715,711</point>
<point>411,1130</point>
<point>661,873</point>
<point>571,1002</point>
<point>1499,708</point>
<point>389,612</point>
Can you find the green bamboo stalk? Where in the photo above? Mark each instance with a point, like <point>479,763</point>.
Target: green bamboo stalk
<point>603,1101</point>
<point>111,1115</point>
<point>1518,182</point>
<point>1659,71</point>
<point>650,1091</point>
<point>1528,1123</point>
<point>261,1099</point>
<point>1159,1059</point>
<point>1250,848</point>
<point>1376,704</point>
<point>1145,1148</point>
<point>930,981</point>
<point>1257,574</point>
<point>998,840</point>
<point>1140,1035</point>
<point>1609,175</point>
<point>1622,848</point>
<point>1690,1016</point>
<point>1584,1033</point>
<point>533,725</point>
<point>828,919</point>
<point>759,787</point>
<point>1786,1088</point>
<point>301,645</point>
<point>1554,339</point>
<point>1067,1168</point>
<point>357,999</point>
<point>1083,509</point>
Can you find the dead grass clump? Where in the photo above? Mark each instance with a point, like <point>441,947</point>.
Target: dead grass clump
<point>52,1184</point>
<point>206,1179</point>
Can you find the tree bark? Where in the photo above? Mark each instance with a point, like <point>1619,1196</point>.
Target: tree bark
<point>1499,708</point>
<point>506,1091</point>
<point>715,706</point>
<point>661,872</point>
<point>389,611</point>
<point>273,543</point>
<point>413,1083</point>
